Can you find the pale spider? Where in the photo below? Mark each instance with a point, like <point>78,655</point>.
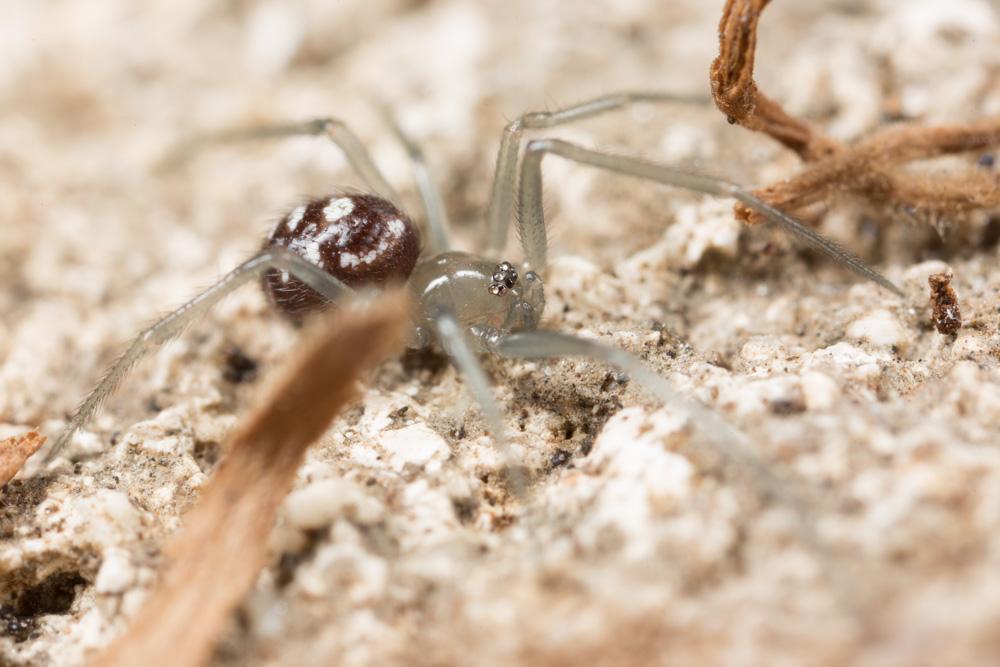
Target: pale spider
<point>467,303</point>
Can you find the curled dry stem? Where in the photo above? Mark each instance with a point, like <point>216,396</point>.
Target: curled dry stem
<point>872,168</point>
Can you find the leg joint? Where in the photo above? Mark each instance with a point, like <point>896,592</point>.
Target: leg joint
<point>542,146</point>
<point>323,125</point>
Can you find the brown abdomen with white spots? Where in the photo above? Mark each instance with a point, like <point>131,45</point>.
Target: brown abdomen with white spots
<point>363,240</point>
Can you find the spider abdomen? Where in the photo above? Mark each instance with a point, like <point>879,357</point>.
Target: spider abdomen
<point>362,240</point>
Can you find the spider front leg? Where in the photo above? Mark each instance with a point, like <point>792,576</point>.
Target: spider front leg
<point>454,340</point>
<point>531,221</point>
<point>277,258</point>
<point>505,174</point>
<point>727,441</point>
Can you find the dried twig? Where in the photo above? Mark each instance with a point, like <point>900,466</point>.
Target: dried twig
<point>217,555</point>
<point>736,94</point>
<point>15,451</point>
<point>869,168</point>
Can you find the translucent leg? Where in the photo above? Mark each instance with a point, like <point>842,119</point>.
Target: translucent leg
<point>732,445</point>
<point>437,215</point>
<point>728,442</point>
<point>531,218</point>
<point>332,128</point>
<point>171,325</point>
<point>502,194</point>
<point>456,345</point>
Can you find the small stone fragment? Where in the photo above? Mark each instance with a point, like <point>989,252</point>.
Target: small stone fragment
<point>321,503</point>
<point>116,574</point>
<point>947,316</point>
<point>239,368</point>
<point>416,444</point>
<point>880,328</point>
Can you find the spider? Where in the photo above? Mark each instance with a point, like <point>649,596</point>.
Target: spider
<point>467,303</point>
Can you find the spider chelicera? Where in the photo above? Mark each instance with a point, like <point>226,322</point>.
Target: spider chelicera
<point>467,303</point>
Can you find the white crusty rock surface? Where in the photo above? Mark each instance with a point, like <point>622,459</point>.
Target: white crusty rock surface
<point>862,529</point>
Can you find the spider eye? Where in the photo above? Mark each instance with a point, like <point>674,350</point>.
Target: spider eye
<point>504,278</point>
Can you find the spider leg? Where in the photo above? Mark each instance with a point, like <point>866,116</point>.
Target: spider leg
<point>502,193</point>
<point>333,129</point>
<point>172,324</point>
<point>456,345</point>
<point>531,219</point>
<point>732,445</point>
<point>437,215</point>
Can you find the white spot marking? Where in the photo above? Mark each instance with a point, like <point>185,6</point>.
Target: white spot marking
<point>338,208</point>
<point>284,277</point>
<point>396,227</point>
<point>349,259</point>
<point>295,218</point>
<point>339,230</point>
<point>312,253</point>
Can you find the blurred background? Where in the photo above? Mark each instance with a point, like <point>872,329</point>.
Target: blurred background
<point>98,234</point>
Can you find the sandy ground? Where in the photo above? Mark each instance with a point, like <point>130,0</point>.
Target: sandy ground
<point>400,545</point>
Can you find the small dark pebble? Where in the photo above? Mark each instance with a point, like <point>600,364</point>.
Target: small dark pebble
<point>239,367</point>
<point>986,161</point>
<point>13,626</point>
<point>784,406</point>
<point>560,457</point>
<point>54,595</point>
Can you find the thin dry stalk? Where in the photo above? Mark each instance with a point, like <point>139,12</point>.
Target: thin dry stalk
<point>15,451</point>
<point>871,168</point>
<point>736,93</point>
<point>218,554</point>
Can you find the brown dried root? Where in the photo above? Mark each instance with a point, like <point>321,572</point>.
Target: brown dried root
<point>871,168</point>
<point>946,315</point>
<point>219,552</point>
<point>15,451</point>
<point>736,94</point>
